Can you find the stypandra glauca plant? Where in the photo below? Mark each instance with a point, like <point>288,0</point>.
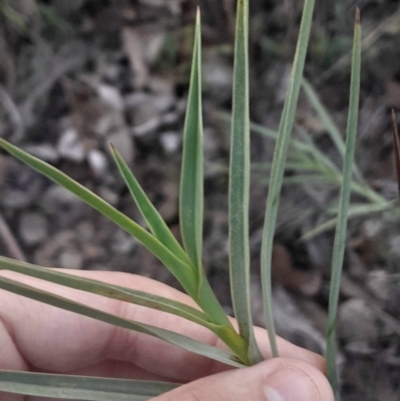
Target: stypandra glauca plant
<point>185,260</point>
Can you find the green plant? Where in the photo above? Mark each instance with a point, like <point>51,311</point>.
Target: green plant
<point>310,165</point>
<point>185,261</point>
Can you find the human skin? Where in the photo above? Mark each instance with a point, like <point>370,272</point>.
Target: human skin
<point>41,338</point>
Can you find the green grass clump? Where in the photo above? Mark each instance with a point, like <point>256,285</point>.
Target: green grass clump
<point>185,260</point>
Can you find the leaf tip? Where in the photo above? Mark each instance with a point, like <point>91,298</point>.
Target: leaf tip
<point>358,16</point>
<point>112,147</point>
<point>198,16</point>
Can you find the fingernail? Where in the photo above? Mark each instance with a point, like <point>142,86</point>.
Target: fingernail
<point>290,384</point>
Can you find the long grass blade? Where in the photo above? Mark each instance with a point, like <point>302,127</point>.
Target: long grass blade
<point>278,166</point>
<point>80,387</point>
<point>239,186</point>
<point>353,211</point>
<point>191,186</point>
<point>107,290</point>
<point>181,270</point>
<point>153,218</point>
<point>328,123</point>
<point>341,228</point>
<point>326,119</point>
<point>192,192</point>
<point>176,339</point>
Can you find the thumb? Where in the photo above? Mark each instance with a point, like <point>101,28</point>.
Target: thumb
<point>279,379</point>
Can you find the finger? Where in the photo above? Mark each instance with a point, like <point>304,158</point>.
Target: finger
<point>54,340</point>
<point>279,379</point>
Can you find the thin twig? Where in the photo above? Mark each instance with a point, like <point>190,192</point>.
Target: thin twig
<point>10,242</point>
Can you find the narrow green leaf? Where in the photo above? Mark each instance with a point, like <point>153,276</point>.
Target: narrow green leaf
<point>326,120</point>
<point>328,123</point>
<point>353,211</point>
<point>301,179</point>
<point>80,387</point>
<point>341,227</point>
<point>153,218</point>
<point>107,290</point>
<point>239,186</point>
<point>192,193</point>
<point>191,187</point>
<point>181,270</point>
<point>278,166</point>
<point>176,339</point>
<point>224,331</point>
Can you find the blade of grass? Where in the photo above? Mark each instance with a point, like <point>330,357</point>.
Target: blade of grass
<point>192,193</point>
<point>299,179</point>
<point>181,270</point>
<point>225,332</point>
<point>353,211</point>
<point>328,123</point>
<point>80,387</point>
<point>341,228</point>
<point>326,120</point>
<point>303,148</point>
<point>396,146</point>
<point>176,339</point>
<point>278,167</point>
<point>153,218</point>
<point>107,290</point>
<point>239,187</point>
<point>191,186</point>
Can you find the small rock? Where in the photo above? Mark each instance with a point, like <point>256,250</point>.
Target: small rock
<point>85,231</point>
<point>15,199</point>
<point>32,228</point>
<point>162,86</point>
<point>292,323</point>
<point>170,141</point>
<point>164,103</point>
<point>97,162</point>
<point>144,114</point>
<point>108,195</point>
<point>22,186</point>
<point>373,228</point>
<point>48,254</point>
<point>122,242</point>
<point>111,96</point>
<point>64,208</point>
<point>357,322</point>
<point>169,118</point>
<point>377,284</point>
<point>71,259</point>
<point>70,147</point>
<point>395,247</point>
<point>217,77</point>
<point>394,295</point>
<point>44,152</point>
<point>56,199</point>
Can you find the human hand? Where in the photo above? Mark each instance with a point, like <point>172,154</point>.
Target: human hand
<point>38,337</point>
